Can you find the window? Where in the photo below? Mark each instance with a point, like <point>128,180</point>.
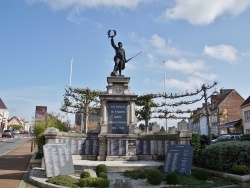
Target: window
<point>247,131</point>
<point>247,115</point>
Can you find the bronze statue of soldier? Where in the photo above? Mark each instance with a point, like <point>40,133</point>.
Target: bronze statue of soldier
<point>120,56</point>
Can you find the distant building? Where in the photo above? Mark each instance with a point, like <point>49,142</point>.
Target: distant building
<point>4,116</point>
<point>182,125</point>
<point>93,120</point>
<point>172,130</point>
<point>224,107</point>
<point>245,112</point>
<point>156,128</point>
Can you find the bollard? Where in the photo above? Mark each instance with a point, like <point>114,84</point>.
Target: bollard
<point>31,148</point>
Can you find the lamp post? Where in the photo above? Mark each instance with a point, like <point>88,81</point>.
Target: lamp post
<point>166,125</point>
<point>70,77</point>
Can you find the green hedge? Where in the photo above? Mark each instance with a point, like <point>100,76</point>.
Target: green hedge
<point>222,156</point>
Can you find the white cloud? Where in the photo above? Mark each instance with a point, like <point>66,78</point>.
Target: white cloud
<point>222,52</point>
<point>204,12</point>
<point>158,42</point>
<point>191,84</point>
<point>185,66</point>
<point>82,4</point>
<point>206,76</point>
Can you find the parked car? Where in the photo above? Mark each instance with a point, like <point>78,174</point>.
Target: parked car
<point>226,137</point>
<point>16,132</point>
<point>25,132</point>
<point>7,133</point>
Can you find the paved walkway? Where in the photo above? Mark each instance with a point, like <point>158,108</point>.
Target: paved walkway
<point>13,166</point>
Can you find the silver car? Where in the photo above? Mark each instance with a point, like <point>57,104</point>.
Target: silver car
<point>7,133</point>
<point>227,137</point>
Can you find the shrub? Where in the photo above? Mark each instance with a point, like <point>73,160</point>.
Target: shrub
<point>222,156</point>
<point>102,183</point>
<point>103,175</point>
<point>195,143</point>
<point>240,169</point>
<point>41,126</point>
<point>85,174</point>
<point>64,180</point>
<point>137,174</point>
<point>172,178</point>
<point>94,182</point>
<point>245,137</point>
<point>201,174</point>
<point>154,177</point>
<point>101,168</point>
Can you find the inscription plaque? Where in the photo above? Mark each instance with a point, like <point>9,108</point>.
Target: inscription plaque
<point>58,159</point>
<point>143,147</point>
<point>117,117</point>
<point>117,147</point>
<point>179,158</point>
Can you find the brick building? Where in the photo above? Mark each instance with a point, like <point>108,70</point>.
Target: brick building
<point>224,107</point>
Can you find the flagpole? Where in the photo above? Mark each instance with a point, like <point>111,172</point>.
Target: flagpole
<point>70,78</point>
<point>166,126</point>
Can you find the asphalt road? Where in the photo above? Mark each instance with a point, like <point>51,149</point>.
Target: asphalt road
<point>8,144</point>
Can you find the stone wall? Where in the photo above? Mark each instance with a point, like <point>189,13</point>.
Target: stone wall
<point>121,147</point>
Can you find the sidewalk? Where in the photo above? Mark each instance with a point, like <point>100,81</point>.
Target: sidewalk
<point>14,164</point>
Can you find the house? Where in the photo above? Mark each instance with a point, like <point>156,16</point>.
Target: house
<point>14,121</point>
<point>182,125</point>
<point>245,112</point>
<point>234,127</point>
<point>223,108</point>
<point>4,115</point>
<point>172,130</point>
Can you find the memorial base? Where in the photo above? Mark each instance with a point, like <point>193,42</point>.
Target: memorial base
<point>121,158</point>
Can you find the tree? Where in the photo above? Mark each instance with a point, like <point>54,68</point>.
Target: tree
<point>40,127</point>
<point>142,127</point>
<point>145,113</point>
<point>146,103</point>
<point>84,100</point>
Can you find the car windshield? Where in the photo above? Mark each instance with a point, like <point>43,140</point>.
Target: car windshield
<point>7,131</point>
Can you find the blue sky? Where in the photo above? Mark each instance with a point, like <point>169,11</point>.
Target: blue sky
<point>200,42</point>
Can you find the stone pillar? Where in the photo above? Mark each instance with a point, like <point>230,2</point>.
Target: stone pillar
<point>102,148</point>
<point>50,135</point>
<point>184,137</point>
<point>118,120</point>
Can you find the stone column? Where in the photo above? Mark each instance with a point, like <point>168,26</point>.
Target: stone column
<point>102,148</point>
<point>184,137</point>
<point>50,135</point>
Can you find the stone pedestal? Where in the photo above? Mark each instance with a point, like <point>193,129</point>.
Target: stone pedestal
<point>117,137</point>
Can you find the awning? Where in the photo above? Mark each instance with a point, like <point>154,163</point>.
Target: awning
<point>231,124</point>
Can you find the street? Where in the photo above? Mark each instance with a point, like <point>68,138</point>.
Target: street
<point>7,144</point>
<point>15,154</point>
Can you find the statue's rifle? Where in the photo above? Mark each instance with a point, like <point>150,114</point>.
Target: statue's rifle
<point>133,57</point>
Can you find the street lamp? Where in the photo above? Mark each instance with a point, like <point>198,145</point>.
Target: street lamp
<point>166,126</point>
<point>70,77</point>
